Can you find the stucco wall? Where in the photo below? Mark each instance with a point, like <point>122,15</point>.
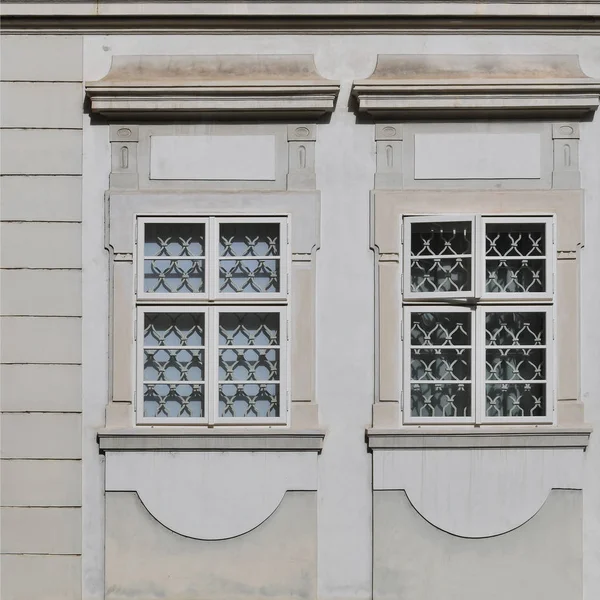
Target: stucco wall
<point>345,166</point>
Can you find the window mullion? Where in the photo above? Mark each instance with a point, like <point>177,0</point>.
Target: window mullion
<point>479,363</point>
<point>212,358</point>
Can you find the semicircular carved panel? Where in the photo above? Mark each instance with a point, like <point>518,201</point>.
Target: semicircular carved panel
<point>478,493</point>
<point>212,495</point>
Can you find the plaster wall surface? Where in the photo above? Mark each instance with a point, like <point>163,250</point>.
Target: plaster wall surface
<point>540,559</point>
<point>345,165</point>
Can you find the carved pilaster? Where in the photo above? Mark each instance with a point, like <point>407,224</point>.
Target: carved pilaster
<point>388,140</point>
<point>565,137</point>
<point>301,157</point>
<point>124,147</point>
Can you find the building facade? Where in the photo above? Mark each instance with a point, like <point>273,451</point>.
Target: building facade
<point>298,300</point>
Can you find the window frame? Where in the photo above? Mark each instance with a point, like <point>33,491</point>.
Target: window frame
<point>479,303</point>
<point>212,303</point>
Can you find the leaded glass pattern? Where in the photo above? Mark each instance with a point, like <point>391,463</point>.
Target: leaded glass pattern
<point>515,364</point>
<point>174,364</point>
<point>441,257</point>
<point>174,258</point>
<point>249,364</point>
<point>515,257</point>
<point>249,258</point>
<point>440,364</point>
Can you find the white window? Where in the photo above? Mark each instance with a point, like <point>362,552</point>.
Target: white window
<point>478,324</point>
<point>212,326</point>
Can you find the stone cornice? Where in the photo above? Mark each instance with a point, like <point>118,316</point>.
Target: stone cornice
<point>228,84</point>
<point>483,437</point>
<point>171,439</point>
<point>439,86</point>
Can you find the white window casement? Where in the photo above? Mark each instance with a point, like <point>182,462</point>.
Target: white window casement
<point>212,297</point>
<point>478,319</point>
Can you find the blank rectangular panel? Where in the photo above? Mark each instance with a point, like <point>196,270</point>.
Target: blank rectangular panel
<point>213,157</point>
<point>477,156</point>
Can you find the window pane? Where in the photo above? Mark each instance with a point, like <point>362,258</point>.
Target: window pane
<point>440,364</point>
<point>250,257</point>
<point>440,259</point>
<point>174,365</point>
<point>249,365</point>
<point>515,257</point>
<point>174,260</point>
<point>515,358</point>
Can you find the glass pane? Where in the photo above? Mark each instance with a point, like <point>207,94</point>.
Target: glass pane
<point>440,364</point>
<point>440,258</point>
<point>515,360</point>
<point>249,239</point>
<point>515,276</point>
<point>248,329</point>
<point>440,400</point>
<point>174,262</point>
<point>512,364</point>
<point>174,239</point>
<point>515,400</point>
<point>173,400</point>
<point>515,257</point>
<point>248,364</point>
<point>249,400</point>
<point>249,276</point>
<point>174,329</point>
<point>181,276</point>
<point>440,329</point>
<point>515,328</point>
<point>174,365</point>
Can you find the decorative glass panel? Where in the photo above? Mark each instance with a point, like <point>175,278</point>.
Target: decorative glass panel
<point>515,257</point>
<point>440,256</point>
<point>515,361</point>
<point>249,258</point>
<point>440,364</point>
<point>174,365</point>
<point>249,364</point>
<point>174,258</point>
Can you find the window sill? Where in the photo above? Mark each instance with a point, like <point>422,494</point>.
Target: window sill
<point>483,437</point>
<point>173,439</point>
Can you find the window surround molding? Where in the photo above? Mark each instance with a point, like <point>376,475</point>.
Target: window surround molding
<point>302,210</point>
<point>388,209</point>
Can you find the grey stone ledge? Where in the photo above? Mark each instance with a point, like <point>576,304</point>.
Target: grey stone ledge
<point>188,85</point>
<point>171,439</point>
<point>523,436</point>
<point>449,85</point>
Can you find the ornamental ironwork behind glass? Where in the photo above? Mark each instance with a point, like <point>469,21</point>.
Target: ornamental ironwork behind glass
<point>515,359</point>
<point>441,256</point>
<point>249,376</point>
<point>174,258</point>
<point>249,258</point>
<point>174,377</point>
<point>440,364</point>
<point>515,257</point>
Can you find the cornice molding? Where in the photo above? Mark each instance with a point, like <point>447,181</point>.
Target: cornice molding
<point>226,84</point>
<point>440,86</point>
<point>484,437</point>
